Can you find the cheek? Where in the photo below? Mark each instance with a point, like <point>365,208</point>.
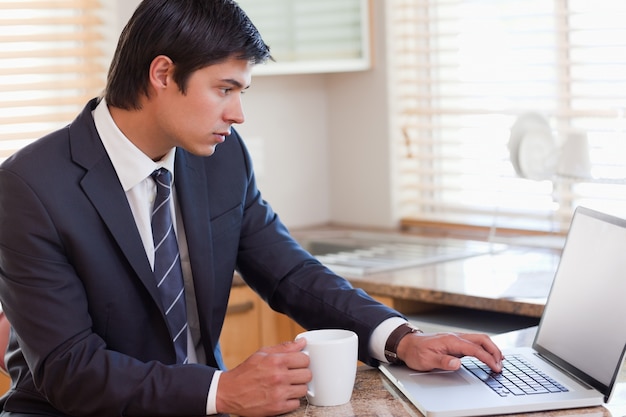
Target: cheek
<point>206,105</point>
<point>197,111</point>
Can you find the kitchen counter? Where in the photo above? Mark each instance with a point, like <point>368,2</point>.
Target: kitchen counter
<point>374,395</point>
<point>513,282</point>
<point>511,279</point>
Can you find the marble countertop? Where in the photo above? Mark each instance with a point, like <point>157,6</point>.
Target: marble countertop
<point>509,278</point>
<point>515,282</point>
<point>374,395</point>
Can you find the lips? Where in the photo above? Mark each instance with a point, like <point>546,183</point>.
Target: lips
<point>223,133</point>
<point>221,136</point>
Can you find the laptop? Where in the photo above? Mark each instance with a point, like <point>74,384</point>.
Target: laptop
<point>579,347</point>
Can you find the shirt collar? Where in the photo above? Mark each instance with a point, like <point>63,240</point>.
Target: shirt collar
<point>131,164</point>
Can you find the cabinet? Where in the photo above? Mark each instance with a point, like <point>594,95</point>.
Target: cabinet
<point>308,36</point>
<point>5,383</point>
<point>251,324</point>
<point>241,334</point>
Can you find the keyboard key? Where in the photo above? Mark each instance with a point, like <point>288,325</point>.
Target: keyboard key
<point>518,377</point>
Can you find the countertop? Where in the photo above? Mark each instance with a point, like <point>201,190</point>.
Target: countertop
<point>513,282</point>
<point>513,278</point>
<point>374,395</point>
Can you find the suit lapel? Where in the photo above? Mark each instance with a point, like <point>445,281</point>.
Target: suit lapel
<point>101,185</point>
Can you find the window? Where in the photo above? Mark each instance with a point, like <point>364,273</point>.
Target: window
<point>465,70</point>
<point>51,63</point>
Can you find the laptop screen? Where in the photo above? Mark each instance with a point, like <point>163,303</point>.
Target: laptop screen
<point>584,330</point>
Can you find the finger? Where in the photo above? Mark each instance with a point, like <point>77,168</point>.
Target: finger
<point>292,404</point>
<point>297,360</point>
<point>486,343</point>
<point>482,348</point>
<point>300,376</point>
<point>286,347</point>
<point>297,390</point>
<point>288,355</point>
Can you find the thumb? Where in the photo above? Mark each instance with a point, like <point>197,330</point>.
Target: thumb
<point>450,363</point>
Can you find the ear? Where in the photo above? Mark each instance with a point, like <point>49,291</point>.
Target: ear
<point>161,70</point>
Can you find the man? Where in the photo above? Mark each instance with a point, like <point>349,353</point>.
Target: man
<point>78,267</point>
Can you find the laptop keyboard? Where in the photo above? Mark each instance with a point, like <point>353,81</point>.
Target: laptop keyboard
<point>518,377</point>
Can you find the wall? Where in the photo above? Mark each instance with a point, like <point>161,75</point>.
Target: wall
<point>319,142</point>
<point>286,130</point>
<point>359,131</point>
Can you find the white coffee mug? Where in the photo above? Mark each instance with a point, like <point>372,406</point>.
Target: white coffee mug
<point>333,355</point>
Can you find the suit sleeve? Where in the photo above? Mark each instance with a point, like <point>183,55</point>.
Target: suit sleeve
<point>293,282</point>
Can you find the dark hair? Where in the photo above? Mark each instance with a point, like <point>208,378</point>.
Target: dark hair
<point>192,33</point>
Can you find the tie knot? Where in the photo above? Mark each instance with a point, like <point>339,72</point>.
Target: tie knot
<point>163,179</point>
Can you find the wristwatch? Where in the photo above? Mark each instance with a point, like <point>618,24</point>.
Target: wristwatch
<point>391,347</point>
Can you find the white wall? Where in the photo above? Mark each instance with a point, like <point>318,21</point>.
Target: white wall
<point>320,142</point>
<point>360,149</point>
<point>125,9</point>
<point>286,129</point>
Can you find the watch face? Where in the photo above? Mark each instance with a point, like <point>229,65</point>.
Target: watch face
<point>410,328</point>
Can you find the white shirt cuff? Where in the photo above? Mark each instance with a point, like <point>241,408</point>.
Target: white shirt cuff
<point>211,401</point>
<point>380,336</point>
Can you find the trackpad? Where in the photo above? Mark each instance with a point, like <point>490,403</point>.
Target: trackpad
<point>438,379</point>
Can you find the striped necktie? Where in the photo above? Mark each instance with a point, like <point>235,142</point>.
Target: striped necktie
<point>167,267</point>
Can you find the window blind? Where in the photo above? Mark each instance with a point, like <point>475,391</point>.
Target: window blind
<point>312,36</point>
<point>465,70</point>
<point>51,63</point>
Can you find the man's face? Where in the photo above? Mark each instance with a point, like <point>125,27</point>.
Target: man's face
<point>199,120</point>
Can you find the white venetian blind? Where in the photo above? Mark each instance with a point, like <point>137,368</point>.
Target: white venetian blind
<point>464,70</point>
<point>312,35</point>
<point>51,63</point>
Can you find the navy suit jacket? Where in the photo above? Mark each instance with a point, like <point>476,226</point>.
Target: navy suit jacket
<point>89,335</point>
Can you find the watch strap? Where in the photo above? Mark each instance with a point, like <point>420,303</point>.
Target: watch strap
<point>391,347</point>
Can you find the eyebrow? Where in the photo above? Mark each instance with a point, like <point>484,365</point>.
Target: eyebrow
<point>236,83</point>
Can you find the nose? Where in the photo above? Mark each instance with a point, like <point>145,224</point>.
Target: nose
<point>234,110</point>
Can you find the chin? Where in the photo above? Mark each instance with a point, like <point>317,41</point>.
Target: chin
<point>203,151</point>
